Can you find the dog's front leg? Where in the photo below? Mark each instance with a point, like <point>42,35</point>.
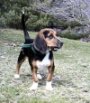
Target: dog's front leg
<point>35,79</point>
<point>49,78</point>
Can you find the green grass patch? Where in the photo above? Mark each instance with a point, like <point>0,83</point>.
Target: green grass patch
<point>72,65</point>
<point>11,35</point>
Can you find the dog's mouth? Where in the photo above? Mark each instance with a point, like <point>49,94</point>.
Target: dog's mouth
<point>54,48</point>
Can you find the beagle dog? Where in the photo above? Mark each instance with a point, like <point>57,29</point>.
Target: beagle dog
<point>39,52</point>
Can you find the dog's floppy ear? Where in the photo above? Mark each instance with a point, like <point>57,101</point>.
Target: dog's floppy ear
<point>40,44</point>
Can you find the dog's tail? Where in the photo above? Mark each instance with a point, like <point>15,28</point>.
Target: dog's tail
<point>26,34</point>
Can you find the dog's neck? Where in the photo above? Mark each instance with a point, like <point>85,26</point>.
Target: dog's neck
<point>39,52</point>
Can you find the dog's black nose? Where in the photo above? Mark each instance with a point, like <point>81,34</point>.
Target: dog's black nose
<point>59,44</point>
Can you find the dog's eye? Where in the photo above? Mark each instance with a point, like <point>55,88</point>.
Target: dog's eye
<point>45,33</point>
<point>50,36</point>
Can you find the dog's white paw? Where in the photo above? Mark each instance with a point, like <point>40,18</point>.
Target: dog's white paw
<point>16,76</point>
<point>49,86</point>
<point>39,76</point>
<point>34,86</point>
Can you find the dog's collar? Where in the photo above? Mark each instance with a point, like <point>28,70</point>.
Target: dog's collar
<point>29,46</point>
<point>36,51</point>
<point>32,47</point>
<point>26,45</point>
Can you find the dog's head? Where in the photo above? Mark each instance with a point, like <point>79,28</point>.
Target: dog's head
<point>47,39</point>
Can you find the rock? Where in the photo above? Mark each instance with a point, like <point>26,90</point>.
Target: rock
<point>85,39</point>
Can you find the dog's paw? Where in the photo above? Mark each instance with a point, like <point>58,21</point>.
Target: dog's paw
<point>39,76</point>
<point>49,86</point>
<point>34,86</point>
<point>16,76</point>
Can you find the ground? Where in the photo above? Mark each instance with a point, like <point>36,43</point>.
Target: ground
<point>71,80</point>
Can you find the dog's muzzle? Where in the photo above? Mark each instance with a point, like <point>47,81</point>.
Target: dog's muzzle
<point>58,46</point>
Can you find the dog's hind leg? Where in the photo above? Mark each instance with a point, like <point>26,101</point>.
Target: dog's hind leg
<point>21,59</point>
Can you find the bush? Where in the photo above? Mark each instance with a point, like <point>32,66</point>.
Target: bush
<point>2,22</point>
<point>72,33</point>
<point>13,20</point>
<point>38,21</point>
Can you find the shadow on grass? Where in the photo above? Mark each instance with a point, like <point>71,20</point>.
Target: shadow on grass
<point>56,82</point>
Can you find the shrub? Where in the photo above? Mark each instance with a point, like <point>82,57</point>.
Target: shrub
<point>2,22</point>
<point>72,34</point>
<point>13,20</point>
<point>38,21</point>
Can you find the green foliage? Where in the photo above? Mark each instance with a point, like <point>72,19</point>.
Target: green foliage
<point>11,15</point>
<point>12,19</point>
<point>10,11</point>
<point>2,22</point>
<point>72,34</point>
<point>38,21</point>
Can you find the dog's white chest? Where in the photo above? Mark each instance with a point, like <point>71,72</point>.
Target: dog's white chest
<point>45,62</point>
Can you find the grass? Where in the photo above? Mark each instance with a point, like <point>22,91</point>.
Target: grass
<point>71,79</point>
